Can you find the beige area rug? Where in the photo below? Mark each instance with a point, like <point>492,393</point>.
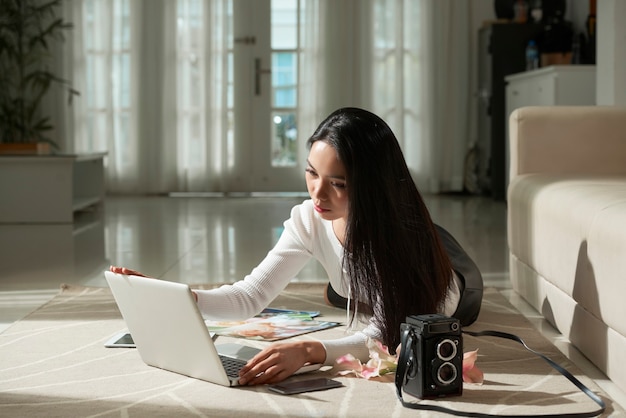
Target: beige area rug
<point>54,364</point>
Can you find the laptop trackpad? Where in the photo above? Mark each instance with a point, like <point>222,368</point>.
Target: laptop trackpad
<point>239,351</point>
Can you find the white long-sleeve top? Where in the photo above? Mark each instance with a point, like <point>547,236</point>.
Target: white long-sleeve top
<point>305,235</point>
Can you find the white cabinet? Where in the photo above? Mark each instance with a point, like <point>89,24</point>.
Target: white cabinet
<point>565,85</point>
<point>551,86</point>
<point>49,188</point>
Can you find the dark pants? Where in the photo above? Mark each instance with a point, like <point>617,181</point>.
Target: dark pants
<point>466,270</point>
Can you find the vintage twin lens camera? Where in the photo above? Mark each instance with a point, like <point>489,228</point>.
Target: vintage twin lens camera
<point>436,358</point>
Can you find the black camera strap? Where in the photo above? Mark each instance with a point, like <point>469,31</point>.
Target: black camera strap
<point>408,340</point>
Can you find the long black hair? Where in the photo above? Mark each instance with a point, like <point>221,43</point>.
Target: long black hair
<point>393,256</point>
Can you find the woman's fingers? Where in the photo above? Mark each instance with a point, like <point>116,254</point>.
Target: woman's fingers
<point>261,374</point>
<point>272,365</point>
<point>127,271</point>
<point>256,370</point>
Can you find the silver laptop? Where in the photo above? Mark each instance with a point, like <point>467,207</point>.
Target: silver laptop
<point>170,333</point>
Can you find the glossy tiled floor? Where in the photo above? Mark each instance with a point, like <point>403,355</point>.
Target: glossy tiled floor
<point>216,239</point>
<point>200,240</point>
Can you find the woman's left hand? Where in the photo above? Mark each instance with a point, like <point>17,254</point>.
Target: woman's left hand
<point>279,361</point>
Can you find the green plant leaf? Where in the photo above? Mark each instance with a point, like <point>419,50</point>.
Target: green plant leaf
<point>27,31</point>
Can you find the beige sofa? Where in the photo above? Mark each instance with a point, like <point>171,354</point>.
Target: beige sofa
<point>567,225</point>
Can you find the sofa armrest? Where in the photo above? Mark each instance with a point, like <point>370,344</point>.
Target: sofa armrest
<point>568,140</point>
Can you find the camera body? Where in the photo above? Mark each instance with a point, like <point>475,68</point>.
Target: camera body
<point>436,357</point>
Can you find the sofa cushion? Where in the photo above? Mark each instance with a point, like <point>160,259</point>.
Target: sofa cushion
<point>601,344</point>
<point>607,256</point>
<point>572,231</point>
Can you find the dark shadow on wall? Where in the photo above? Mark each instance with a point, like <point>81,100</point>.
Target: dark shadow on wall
<point>548,313</point>
<point>588,332</point>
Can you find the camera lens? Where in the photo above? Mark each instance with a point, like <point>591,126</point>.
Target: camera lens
<point>446,349</point>
<point>446,373</point>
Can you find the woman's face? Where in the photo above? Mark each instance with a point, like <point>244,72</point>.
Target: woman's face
<point>326,182</point>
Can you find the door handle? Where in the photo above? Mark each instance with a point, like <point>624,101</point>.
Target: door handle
<point>258,72</point>
<point>246,40</point>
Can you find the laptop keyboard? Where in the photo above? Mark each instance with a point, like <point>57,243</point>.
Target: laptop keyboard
<point>232,365</point>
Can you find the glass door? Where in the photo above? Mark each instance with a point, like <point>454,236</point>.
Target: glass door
<point>267,154</point>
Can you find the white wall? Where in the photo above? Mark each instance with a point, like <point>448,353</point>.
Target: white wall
<point>611,53</point>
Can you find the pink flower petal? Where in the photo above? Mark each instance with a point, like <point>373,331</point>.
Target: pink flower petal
<point>382,363</point>
<point>348,364</point>
<point>369,372</point>
<point>471,373</point>
<point>348,359</point>
<point>474,375</point>
<point>469,359</point>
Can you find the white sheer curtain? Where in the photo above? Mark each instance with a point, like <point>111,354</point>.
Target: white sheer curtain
<point>334,61</point>
<point>200,74</point>
<point>406,60</point>
<point>399,80</point>
<point>154,82</point>
<point>421,84</point>
<point>447,27</point>
<point>311,98</point>
<point>104,117</point>
<point>165,125</point>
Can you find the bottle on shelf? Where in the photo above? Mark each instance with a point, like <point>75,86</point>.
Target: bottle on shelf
<point>532,56</point>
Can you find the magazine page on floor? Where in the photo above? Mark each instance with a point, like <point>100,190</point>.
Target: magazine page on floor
<point>271,325</point>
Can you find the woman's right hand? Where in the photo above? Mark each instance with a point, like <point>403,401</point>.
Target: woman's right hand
<point>127,271</point>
